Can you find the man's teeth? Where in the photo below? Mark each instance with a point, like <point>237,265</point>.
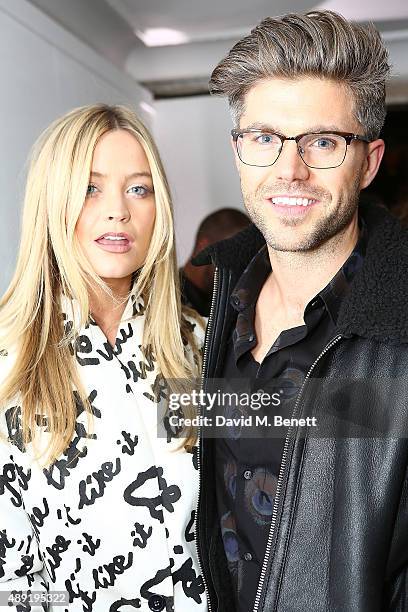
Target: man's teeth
<point>285,201</point>
<point>114,238</point>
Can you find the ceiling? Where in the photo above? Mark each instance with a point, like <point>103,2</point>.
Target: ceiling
<point>206,31</point>
<point>378,10</point>
<point>202,21</point>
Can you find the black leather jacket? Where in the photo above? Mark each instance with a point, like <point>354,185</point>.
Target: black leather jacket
<point>339,533</point>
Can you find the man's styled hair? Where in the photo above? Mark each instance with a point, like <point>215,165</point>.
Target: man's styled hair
<point>320,44</point>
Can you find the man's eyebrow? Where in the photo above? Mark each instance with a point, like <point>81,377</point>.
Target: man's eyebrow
<point>143,174</point>
<point>264,127</point>
<point>267,127</point>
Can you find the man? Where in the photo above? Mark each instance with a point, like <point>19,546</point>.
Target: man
<point>315,289</point>
<point>197,283</point>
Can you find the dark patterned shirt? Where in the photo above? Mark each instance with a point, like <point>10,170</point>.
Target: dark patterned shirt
<point>247,468</point>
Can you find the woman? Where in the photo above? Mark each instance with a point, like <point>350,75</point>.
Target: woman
<point>92,502</point>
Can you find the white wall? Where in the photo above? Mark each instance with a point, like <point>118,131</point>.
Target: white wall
<point>45,72</point>
<point>193,137</point>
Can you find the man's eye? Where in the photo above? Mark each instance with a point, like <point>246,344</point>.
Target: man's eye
<point>265,139</point>
<point>324,143</point>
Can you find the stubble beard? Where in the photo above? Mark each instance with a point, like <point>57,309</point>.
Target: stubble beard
<point>325,228</point>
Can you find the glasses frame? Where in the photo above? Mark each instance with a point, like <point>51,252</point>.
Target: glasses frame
<point>348,137</point>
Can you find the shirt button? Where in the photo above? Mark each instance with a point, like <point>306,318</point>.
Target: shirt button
<point>248,556</point>
<point>251,338</point>
<point>157,603</point>
<point>248,474</point>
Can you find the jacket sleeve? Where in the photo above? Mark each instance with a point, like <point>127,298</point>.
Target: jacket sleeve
<point>396,586</point>
<point>20,560</point>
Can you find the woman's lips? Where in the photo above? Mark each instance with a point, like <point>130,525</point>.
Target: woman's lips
<point>114,243</point>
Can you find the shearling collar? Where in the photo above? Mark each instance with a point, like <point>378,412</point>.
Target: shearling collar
<point>377,305</point>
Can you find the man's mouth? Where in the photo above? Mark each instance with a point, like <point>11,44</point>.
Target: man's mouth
<point>292,201</point>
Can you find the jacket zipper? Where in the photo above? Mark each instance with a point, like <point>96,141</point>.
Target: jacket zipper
<point>205,357</point>
<point>280,478</point>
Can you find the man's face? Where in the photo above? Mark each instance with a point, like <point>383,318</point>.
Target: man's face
<point>292,107</point>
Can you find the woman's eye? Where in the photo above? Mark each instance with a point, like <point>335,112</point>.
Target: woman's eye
<point>139,190</point>
<point>91,189</point>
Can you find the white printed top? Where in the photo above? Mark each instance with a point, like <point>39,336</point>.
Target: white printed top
<point>112,521</point>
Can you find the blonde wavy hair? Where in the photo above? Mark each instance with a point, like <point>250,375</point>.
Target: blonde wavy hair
<point>50,263</point>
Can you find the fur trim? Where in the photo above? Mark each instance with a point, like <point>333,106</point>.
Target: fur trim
<point>377,305</point>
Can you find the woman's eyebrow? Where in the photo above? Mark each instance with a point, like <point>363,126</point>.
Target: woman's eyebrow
<point>138,175</point>
<point>144,174</point>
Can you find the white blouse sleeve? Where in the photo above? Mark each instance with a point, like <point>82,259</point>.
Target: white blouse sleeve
<point>20,561</point>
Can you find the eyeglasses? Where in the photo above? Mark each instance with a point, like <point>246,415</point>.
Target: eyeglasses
<point>320,150</point>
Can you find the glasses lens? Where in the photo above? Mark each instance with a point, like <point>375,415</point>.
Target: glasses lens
<point>322,150</point>
<point>258,148</point>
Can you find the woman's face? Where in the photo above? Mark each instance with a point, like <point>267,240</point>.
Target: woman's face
<point>116,222</point>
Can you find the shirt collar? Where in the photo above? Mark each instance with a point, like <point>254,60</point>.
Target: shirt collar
<point>249,285</point>
<point>335,291</point>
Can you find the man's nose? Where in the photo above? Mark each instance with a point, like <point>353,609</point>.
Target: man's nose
<point>290,166</point>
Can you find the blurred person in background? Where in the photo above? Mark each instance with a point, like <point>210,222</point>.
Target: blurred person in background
<point>400,205</point>
<point>197,282</point>
<point>92,502</point>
